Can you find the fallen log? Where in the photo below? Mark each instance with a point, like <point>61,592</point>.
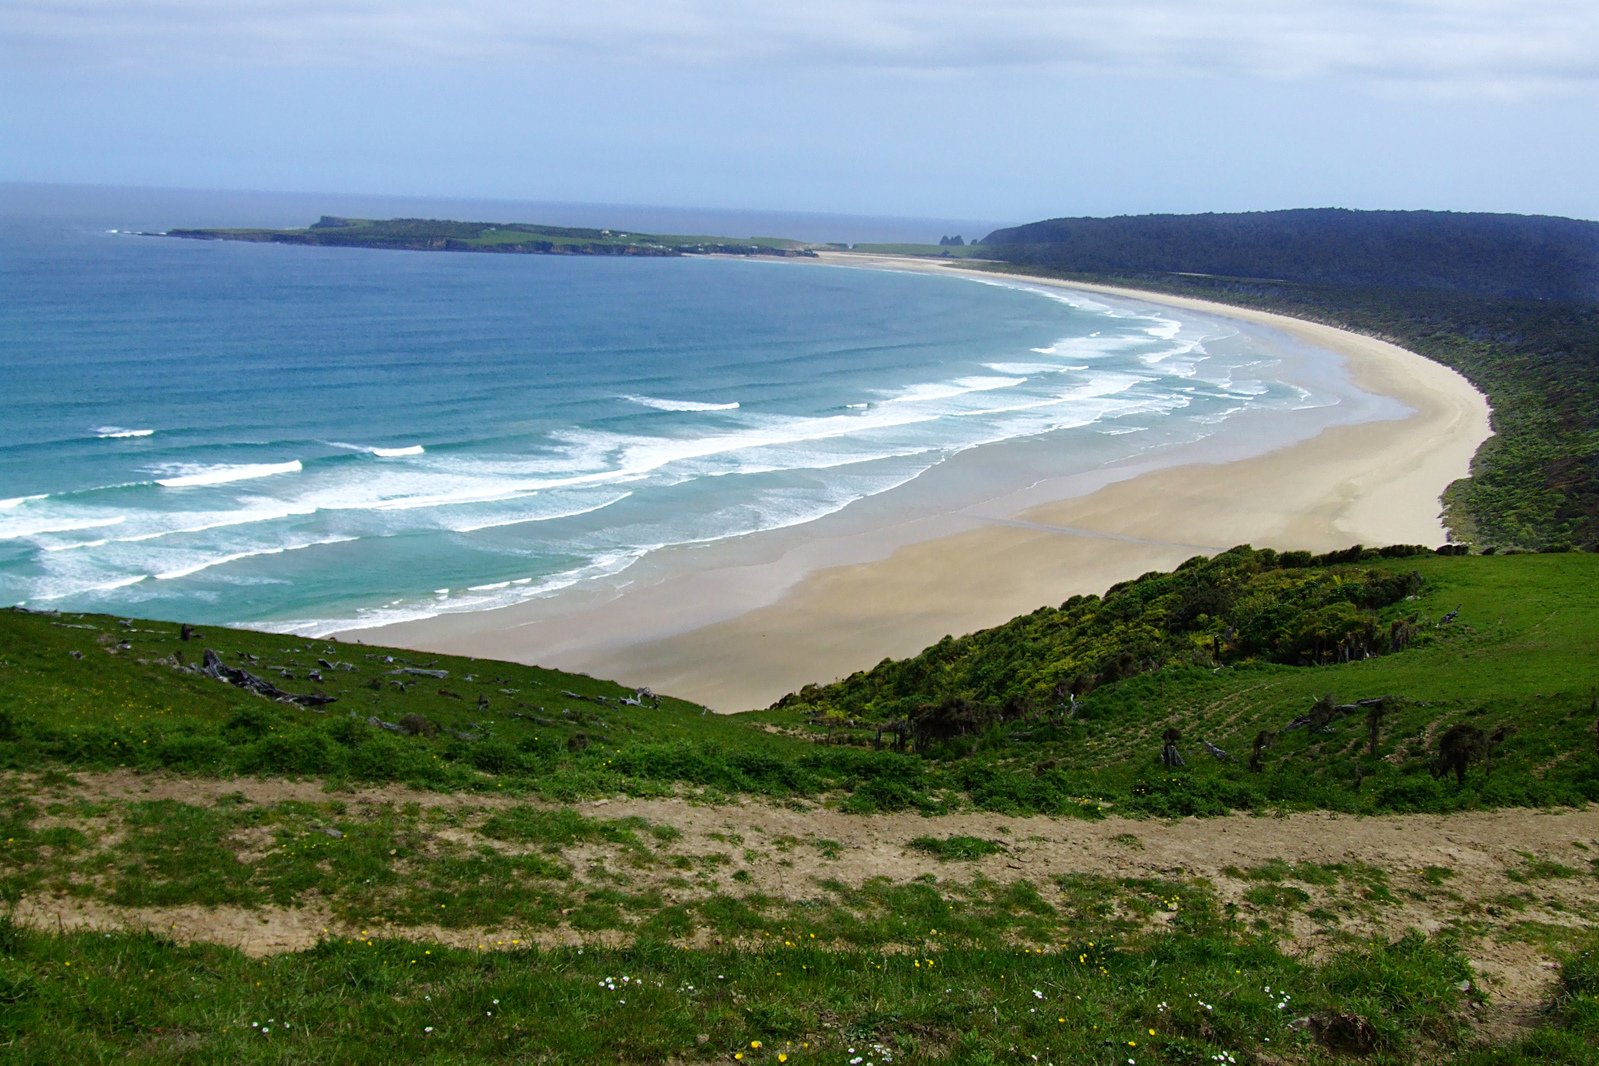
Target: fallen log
<point>215,668</point>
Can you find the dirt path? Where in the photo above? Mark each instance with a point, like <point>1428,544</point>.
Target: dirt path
<point>1475,873</point>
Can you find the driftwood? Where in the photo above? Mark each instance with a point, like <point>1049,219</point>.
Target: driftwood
<point>1215,752</point>
<point>601,700</point>
<point>216,668</point>
<point>419,672</point>
<point>1325,711</point>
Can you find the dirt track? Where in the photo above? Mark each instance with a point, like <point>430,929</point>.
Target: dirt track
<point>1464,872</point>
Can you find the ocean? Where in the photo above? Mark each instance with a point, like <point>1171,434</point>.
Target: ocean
<point>318,439</point>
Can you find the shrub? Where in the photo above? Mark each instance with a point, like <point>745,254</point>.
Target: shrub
<point>190,751</point>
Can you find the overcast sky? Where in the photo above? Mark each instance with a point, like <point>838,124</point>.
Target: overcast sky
<point>994,109</point>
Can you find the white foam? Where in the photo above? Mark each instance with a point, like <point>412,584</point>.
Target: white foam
<point>1080,301</point>
<point>233,557</point>
<point>381,453</point>
<point>76,544</point>
<point>1164,328</point>
<point>18,501</point>
<point>484,598</point>
<point>641,456</point>
<point>23,529</point>
<point>222,475</point>
<point>680,405</point>
<point>115,432</point>
<point>1218,417</point>
<point>104,586</point>
<point>474,525</point>
<point>1032,369</point>
<point>221,520</point>
<point>949,390</point>
<point>1096,346</point>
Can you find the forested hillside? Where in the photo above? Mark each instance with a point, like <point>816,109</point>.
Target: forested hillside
<point>1532,257</point>
<point>1512,302</point>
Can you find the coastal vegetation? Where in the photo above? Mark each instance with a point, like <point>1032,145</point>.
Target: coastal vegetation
<point>1052,713</point>
<point>1529,257</point>
<point>439,235</point>
<point>1510,301</point>
<point>405,846</point>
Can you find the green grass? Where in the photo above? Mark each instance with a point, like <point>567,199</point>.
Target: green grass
<point>959,968</point>
<point>1162,997</point>
<point>956,847</point>
<point>1518,656</point>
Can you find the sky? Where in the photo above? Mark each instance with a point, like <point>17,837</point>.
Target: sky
<point>1008,110</point>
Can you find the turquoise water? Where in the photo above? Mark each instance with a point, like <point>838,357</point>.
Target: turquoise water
<point>316,438</point>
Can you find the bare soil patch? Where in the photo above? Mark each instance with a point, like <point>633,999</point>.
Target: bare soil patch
<point>1474,873</point>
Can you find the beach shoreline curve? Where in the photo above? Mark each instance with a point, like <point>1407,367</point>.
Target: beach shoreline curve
<point>741,629</point>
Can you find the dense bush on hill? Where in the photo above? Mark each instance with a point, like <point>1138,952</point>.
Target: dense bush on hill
<point>1536,257</point>
<point>1242,605</point>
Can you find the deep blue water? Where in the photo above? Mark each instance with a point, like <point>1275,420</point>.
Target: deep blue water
<point>316,437</point>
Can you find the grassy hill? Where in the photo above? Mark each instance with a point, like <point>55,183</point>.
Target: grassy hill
<point>524,848</point>
<point>1060,711</point>
<point>1073,701</point>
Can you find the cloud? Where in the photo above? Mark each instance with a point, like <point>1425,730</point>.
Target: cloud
<point>1474,47</point>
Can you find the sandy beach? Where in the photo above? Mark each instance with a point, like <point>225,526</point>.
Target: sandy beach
<point>739,626</point>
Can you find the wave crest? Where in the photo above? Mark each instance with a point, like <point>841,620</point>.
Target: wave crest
<point>221,475</point>
<point>680,405</point>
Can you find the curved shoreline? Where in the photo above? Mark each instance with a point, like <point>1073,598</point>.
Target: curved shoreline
<point>746,629</point>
